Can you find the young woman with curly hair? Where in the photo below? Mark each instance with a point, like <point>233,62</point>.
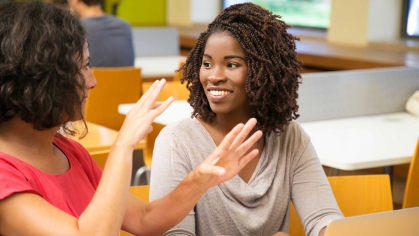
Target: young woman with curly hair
<point>49,185</point>
<point>245,65</point>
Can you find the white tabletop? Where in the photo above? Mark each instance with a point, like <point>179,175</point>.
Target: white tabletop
<point>178,110</point>
<point>158,67</point>
<point>345,144</point>
<point>365,142</point>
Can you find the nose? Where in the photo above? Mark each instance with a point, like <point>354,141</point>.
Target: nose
<point>91,82</point>
<point>217,75</point>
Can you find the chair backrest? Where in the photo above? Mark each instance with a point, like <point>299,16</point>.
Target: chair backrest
<point>172,88</point>
<point>141,192</point>
<point>155,41</point>
<point>100,157</point>
<point>143,13</point>
<point>179,74</point>
<point>355,195</point>
<point>114,86</point>
<point>411,193</point>
<point>150,140</point>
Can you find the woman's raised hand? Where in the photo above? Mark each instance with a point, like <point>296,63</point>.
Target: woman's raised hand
<point>138,120</point>
<point>230,156</point>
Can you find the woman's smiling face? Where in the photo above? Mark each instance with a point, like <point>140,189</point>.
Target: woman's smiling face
<point>223,75</point>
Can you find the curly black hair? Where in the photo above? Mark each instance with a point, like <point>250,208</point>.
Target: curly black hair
<point>273,74</point>
<point>41,48</point>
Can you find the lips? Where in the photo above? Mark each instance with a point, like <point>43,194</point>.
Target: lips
<point>217,95</point>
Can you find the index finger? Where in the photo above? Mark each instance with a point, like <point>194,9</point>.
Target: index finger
<point>248,127</point>
<point>149,98</point>
<point>230,137</point>
<point>154,92</point>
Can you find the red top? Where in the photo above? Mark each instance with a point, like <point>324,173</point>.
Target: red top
<point>70,192</point>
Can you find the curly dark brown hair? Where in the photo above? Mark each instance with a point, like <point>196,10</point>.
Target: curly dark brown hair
<point>273,74</point>
<point>41,48</point>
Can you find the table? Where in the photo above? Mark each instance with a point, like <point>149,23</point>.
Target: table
<point>365,142</point>
<point>346,144</point>
<point>178,110</point>
<point>99,138</point>
<point>153,68</point>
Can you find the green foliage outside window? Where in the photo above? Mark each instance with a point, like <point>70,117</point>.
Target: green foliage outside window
<point>305,13</point>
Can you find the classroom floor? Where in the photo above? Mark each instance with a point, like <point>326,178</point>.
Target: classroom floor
<point>399,181</point>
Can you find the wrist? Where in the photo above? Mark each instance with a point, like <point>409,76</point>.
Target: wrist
<point>122,145</point>
<point>192,182</point>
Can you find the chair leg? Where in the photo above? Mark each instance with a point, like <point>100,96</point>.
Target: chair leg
<point>140,172</point>
<point>147,175</point>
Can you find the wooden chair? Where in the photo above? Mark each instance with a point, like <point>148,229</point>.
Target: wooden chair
<point>179,92</point>
<point>355,195</point>
<point>411,193</point>
<point>179,74</point>
<point>114,86</point>
<point>100,157</point>
<point>142,192</point>
<point>172,88</point>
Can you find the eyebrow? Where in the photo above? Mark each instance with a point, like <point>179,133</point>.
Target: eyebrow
<point>226,57</point>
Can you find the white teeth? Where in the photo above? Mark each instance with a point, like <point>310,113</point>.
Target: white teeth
<point>218,92</point>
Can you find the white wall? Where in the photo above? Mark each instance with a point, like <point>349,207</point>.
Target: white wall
<point>384,21</point>
<point>204,11</point>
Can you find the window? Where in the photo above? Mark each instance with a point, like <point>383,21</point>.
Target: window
<point>410,20</point>
<point>299,13</point>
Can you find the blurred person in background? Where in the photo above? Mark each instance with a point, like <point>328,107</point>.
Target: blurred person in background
<point>109,38</point>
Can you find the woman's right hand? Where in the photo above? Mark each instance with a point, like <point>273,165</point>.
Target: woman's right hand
<point>230,156</point>
<point>139,119</point>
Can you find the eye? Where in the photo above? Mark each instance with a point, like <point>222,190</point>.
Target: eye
<point>206,64</point>
<point>87,66</point>
<point>233,65</point>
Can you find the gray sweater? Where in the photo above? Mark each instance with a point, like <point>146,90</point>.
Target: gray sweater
<point>288,169</point>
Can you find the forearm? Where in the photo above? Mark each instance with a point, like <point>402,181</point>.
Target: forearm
<point>105,212</point>
<point>157,218</point>
<point>322,232</point>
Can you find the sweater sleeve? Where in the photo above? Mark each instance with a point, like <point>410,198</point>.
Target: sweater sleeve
<point>311,192</point>
<point>169,167</point>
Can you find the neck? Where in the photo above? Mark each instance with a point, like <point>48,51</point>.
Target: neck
<point>229,121</point>
<point>224,123</point>
<point>89,11</point>
<point>20,139</point>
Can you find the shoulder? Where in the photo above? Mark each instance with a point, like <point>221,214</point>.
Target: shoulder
<point>116,21</point>
<point>105,21</point>
<point>295,133</point>
<point>14,176</point>
<point>292,142</point>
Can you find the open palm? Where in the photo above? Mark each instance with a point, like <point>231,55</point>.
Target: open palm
<point>230,156</point>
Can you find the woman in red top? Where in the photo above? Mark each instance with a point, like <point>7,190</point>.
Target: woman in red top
<point>49,185</point>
